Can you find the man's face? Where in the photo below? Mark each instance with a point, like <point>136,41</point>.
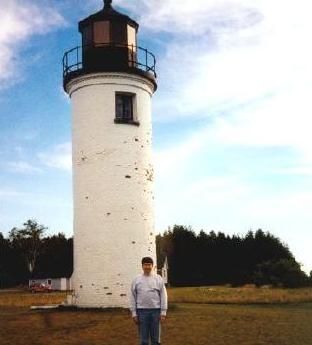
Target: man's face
<point>147,268</point>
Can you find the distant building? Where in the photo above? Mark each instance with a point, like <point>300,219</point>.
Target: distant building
<point>57,284</point>
<point>163,268</point>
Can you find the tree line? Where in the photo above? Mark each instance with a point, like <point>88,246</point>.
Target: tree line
<point>215,258</point>
<point>194,259</point>
<point>28,253</point>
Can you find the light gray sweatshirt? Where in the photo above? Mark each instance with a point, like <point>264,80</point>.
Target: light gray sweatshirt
<point>148,291</point>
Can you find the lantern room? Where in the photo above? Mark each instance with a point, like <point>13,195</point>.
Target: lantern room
<point>108,27</point>
<point>109,44</point>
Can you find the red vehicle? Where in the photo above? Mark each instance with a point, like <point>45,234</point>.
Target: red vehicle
<point>40,288</point>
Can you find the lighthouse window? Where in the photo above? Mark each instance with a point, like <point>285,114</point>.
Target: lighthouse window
<point>125,108</point>
<point>131,36</point>
<point>119,33</point>
<point>87,36</point>
<point>101,32</point>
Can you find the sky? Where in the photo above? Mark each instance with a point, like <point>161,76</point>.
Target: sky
<point>232,123</point>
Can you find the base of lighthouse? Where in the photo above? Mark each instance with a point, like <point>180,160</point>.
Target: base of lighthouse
<point>112,180</point>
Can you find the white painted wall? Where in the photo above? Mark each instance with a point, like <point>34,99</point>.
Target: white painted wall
<point>113,215</point>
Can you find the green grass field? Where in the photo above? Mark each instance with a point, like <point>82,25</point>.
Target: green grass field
<point>195,317</point>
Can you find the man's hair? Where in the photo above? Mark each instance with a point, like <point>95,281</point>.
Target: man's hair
<point>147,260</point>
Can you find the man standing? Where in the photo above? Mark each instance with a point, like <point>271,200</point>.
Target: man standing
<point>148,303</point>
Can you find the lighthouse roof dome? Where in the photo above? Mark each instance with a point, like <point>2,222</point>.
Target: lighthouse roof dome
<point>107,13</point>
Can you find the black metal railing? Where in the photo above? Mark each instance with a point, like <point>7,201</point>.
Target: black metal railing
<point>139,58</point>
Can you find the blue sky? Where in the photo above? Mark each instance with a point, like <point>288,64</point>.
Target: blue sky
<point>231,118</point>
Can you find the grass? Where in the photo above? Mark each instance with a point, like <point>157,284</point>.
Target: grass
<point>27,299</point>
<point>187,323</point>
<point>242,295</point>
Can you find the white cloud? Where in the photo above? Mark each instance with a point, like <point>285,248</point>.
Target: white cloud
<point>245,64</point>
<point>193,17</point>
<point>20,20</point>
<point>23,167</point>
<point>299,170</point>
<point>58,157</point>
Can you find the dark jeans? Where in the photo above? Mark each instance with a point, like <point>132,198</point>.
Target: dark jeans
<point>149,326</point>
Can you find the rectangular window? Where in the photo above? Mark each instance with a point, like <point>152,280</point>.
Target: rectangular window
<point>87,36</point>
<point>124,106</point>
<point>132,45</point>
<point>131,36</point>
<point>102,32</point>
<point>119,33</point>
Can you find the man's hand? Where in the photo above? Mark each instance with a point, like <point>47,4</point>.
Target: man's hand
<point>162,318</point>
<point>135,320</point>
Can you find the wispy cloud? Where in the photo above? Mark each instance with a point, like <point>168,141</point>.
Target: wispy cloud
<point>20,20</point>
<point>58,157</point>
<point>194,17</point>
<point>23,167</point>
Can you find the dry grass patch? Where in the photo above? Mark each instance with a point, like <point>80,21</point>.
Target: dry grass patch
<point>242,295</point>
<point>27,299</point>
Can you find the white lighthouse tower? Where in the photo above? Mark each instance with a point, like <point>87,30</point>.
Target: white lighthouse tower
<point>110,81</point>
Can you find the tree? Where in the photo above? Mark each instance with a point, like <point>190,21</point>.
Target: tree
<point>28,242</point>
<point>284,273</point>
<point>216,258</point>
<point>56,257</point>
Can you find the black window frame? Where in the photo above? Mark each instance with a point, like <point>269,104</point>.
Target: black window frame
<point>128,101</point>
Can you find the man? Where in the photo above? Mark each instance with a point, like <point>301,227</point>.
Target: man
<point>148,303</point>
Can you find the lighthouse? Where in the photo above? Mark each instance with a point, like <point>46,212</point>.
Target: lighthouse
<point>110,81</point>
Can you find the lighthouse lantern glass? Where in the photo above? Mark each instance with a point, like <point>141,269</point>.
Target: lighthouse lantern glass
<point>87,35</point>
<point>101,32</point>
<point>131,36</point>
<point>119,34</point>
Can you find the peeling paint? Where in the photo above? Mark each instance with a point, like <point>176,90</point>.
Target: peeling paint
<point>150,174</point>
